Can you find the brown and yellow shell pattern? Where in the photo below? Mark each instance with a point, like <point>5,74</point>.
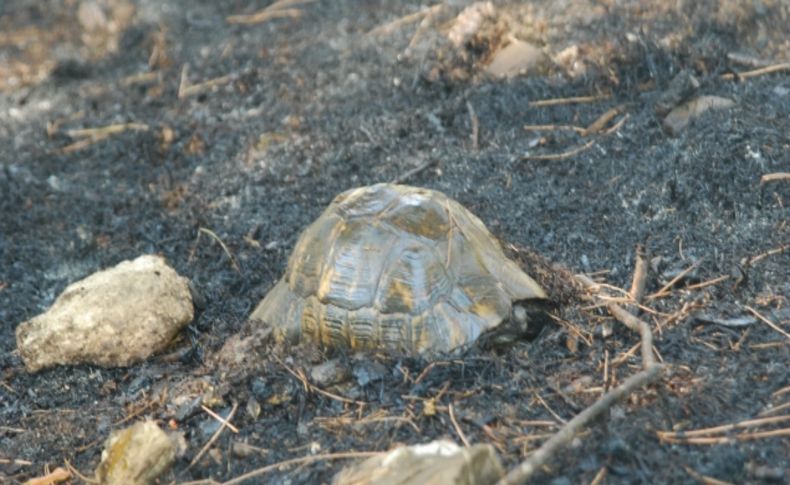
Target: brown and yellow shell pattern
<point>395,268</point>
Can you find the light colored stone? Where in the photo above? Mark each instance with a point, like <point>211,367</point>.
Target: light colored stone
<point>518,57</point>
<point>136,455</point>
<point>679,118</point>
<point>113,318</point>
<point>436,463</point>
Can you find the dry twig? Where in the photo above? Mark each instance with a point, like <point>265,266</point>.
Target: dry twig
<point>774,177</point>
<point>573,100</point>
<point>577,150</point>
<point>651,371</point>
<point>705,480</point>
<point>629,320</point>
<point>94,135</point>
<point>525,470</point>
<point>264,15</point>
<point>561,156</point>
<point>664,291</point>
<point>410,173</point>
<point>475,122</point>
<point>599,477</point>
<point>225,422</point>
<point>219,418</point>
<point>55,476</point>
<point>456,426</point>
<point>79,474</point>
<point>313,388</point>
<point>640,274</point>
<point>598,125</point>
<point>781,249</point>
<point>785,66</point>
<point>767,321</point>
<point>711,282</point>
<point>276,10</point>
<point>577,129</point>
<point>774,410</point>
<point>186,89</point>
<point>412,17</point>
<point>718,434</point>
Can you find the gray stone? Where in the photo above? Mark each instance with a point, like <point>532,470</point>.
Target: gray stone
<point>113,318</point>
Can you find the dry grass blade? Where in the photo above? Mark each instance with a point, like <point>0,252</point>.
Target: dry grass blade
<point>213,235</point>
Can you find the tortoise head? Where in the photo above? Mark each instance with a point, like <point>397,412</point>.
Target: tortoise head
<point>527,319</point>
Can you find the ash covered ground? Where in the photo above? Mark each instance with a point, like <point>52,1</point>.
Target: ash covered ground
<point>250,130</point>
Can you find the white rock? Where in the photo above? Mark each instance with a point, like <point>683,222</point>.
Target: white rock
<point>679,118</point>
<point>437,462</point>
<point>113,318</point>
<point>518,57</point>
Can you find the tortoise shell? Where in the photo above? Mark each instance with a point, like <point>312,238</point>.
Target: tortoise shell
<point>395,268</point>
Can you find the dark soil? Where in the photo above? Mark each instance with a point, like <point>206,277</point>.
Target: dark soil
<point>317,104</point>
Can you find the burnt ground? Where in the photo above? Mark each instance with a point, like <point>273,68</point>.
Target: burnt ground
<point>317,103</point>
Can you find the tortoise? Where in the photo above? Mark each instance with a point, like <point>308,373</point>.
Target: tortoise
<point>399,269</point>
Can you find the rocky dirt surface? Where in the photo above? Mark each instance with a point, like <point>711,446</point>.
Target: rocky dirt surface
<point>138,126</point>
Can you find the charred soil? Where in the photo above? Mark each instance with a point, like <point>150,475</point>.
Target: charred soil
<point>203,128</point>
